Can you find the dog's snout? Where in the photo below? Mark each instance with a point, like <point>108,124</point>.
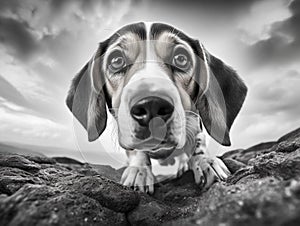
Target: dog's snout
<point>151,107</point>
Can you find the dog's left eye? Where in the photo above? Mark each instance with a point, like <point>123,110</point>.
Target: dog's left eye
<point>181,59</point>
<point>116,61</point>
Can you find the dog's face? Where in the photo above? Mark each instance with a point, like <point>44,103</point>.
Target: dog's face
<point>148,72</point>
<point>150,76</point>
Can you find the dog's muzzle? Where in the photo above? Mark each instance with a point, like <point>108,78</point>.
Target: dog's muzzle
<point>151,115</point>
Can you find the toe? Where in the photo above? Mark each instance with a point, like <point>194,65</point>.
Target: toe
<point>124,175</point>
<point>139,183</point>
<point>198,175</point>
<point>129,181</point>
<point>220,168</point>
<point>210,177</point>
<point>150,183</point>
<point>181,169</point>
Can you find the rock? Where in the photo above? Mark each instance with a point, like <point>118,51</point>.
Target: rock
<point>233,154</point>
<point>37,190</point>
<point>286,146</point>
<point>66,160</point>
<point>151,211</point>
<point>18,161</point>
<point>9,184</point>
<point>108,193</point>
<point>284,165</point>
<point>41,159</point>
<point>290,136</point>
<point>233,165</point>
<point>264,189</point>
<point>108,172</point>
<point>244,155</point>
<point>45,205</point>
<point>259,202</point>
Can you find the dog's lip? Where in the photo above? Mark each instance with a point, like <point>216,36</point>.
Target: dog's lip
<point>163,148</point>
<point>151,142</point>
<point>155,145</point>
<point>161,152</point>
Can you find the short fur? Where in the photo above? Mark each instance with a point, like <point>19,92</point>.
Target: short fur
<point>210,88</point>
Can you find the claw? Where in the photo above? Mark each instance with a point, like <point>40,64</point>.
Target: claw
<point>221,169</point>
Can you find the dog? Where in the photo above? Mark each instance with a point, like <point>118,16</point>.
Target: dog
<point>164,89</point>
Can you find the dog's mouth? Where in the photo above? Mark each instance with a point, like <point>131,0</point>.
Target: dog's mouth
<point>163,149</point>
<point>161,152</point>
<point>159,149</point>
<point>154,144</point>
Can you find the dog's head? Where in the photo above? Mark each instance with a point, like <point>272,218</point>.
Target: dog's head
<point>150,76</point>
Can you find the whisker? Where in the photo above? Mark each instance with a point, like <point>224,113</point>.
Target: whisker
<point>192,114</point>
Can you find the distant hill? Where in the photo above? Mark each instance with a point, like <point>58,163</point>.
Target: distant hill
<point>100,157</point>
<point>44,150</point>
<point>16,149</point>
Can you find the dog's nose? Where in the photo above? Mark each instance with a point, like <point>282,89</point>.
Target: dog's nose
<point>151,107</point>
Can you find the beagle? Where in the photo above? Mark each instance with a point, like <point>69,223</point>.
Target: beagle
<point>161,86</point>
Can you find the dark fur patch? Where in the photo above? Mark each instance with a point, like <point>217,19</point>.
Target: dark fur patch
<point>158,28</point>
<point>234,92</point>
<point>137,28</point>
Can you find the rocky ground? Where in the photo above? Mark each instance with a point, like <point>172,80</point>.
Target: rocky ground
<point>264,189</point>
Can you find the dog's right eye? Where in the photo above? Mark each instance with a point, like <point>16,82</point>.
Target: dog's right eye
<point>116,62</point>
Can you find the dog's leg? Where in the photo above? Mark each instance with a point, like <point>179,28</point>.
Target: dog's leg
<point>138,173</point>
<point>182,164</point>
<point>206,170</point>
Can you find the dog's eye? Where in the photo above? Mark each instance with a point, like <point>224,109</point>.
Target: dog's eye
<point>116,61</point>
<point>181,59</point>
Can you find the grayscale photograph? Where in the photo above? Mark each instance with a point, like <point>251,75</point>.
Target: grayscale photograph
<point>149,112</point>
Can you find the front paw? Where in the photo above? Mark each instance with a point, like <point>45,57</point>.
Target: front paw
<point>208,170</point>
<point>140,178</point>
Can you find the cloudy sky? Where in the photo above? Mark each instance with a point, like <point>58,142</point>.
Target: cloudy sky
<point>43,43</point>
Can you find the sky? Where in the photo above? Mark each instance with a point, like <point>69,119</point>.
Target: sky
<point>44,43</point>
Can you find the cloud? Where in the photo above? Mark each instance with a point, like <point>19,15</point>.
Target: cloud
<point>13,99</point>
<point>43,43</point>
<point>277,96</point>
<point>17,37</point>
<point>271,107</point>
<point>282,45</point>
<point>256,25</point>
<point>10,93</point>
<point>293,74</point>
<point>19,118</point>
<point>17,125</point>
<point>213,4</point>
<point>27,25</point>
<point>273,90</point>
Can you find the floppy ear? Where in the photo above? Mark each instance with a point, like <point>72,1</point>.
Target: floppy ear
<point>222,98</point>
<point>86,98</point>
